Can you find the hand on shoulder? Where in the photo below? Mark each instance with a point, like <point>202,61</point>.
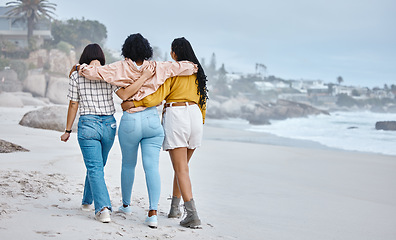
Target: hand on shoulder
<point>149,71</point>
<point>73,69</point>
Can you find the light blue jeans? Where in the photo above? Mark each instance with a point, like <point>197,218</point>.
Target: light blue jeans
<point>96,137</point>
<point>142,128</point>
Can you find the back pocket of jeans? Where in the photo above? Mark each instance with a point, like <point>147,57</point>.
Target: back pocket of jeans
<point>127,126</point>
<point>154,121</point>
<point>87,131</point>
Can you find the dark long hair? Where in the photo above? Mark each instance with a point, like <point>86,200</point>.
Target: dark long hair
<point>92,52</point>
<point>184,51</point>
<point>137,48</point>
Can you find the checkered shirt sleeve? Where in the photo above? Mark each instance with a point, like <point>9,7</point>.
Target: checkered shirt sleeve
<point>73,87</point>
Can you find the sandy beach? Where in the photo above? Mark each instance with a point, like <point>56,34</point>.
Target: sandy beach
<point>244,189</point>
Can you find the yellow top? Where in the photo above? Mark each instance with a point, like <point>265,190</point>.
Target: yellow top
<point>175,89</point>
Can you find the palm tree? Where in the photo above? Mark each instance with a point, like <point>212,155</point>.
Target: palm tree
<point>340,80</point>
<point>31,10</point>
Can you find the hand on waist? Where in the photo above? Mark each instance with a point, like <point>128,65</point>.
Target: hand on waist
<point>125,105</point>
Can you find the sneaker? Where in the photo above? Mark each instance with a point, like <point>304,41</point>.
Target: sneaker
<point>126,210</point>
<point>152,221</point>
<point>103,216</point>
<point>86,207</point>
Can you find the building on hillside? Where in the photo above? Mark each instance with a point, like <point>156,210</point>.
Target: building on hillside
<point>13,31</point>
<point>360,91</point>
<point>318,91</point>
<point>339,89</point>
<point>304,85</point>
<point>382,93</point>
<point>264,86</point>
<point>231,77</point>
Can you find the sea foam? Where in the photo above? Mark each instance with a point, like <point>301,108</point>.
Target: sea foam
<point>343,130</point>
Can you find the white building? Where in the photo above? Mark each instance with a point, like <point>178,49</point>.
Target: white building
<point>15,30</point>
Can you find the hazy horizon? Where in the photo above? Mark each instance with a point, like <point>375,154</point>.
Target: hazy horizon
<point>296,40</point>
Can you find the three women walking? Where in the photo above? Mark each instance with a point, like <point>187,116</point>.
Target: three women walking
<point>185,93</point>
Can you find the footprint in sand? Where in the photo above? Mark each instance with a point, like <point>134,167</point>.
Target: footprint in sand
<point>67,199</point>
<point>48,233</point>
<point>168,236</point>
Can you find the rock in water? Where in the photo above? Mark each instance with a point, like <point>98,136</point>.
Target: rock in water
<point>261,113</point>
<point>52,118</point>
<point>7,147</point>
<point>386,125</point>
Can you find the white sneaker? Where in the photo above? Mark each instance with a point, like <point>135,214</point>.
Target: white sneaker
<point>103,215</point>
<point>86,207</point>
<point>152,221</point>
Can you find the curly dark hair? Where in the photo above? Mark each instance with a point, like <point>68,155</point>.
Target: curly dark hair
<point>137,48</point>
<point>92,52</point>
<point>184,51</point>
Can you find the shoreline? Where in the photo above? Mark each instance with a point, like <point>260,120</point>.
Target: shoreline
<point>238,130</point>
<point>248,136</point>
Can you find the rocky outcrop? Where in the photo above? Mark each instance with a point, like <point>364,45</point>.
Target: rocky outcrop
<point>28,99</point>
<point>42,82</point>
<point>52,118</point>
<point>57,90</point>
<point>9,81</point>
<point>38,58</point>
<point>7,147</point>
<point>51,87</point>
<point>259,112</point>
<point>10,100</point>
<point>213,110</point>
<point>223,108</point>
<point>20,99</point>
<point>56,60</point>
<point>282,109</point>
<point>61,62</point>
<point>386,125</point>
<point>36,83</point>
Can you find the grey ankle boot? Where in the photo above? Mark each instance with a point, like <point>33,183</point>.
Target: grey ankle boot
<point>192,220</point>
<point>175,210</point>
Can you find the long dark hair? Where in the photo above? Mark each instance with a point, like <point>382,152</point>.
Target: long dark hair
<point>92,52</point>
<point>137,48</point>
<point>184,51</point>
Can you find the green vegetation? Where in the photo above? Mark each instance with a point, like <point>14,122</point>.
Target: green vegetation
<point>72,34</point>
<point>64,47</point>
<point>79,33</point>
<point>4,62</point>
<point>21,68</point>
<point>344,100</point>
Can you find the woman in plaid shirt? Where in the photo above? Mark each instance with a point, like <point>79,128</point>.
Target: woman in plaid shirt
<point>96,127</point>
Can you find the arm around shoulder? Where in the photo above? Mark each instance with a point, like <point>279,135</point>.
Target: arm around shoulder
<point>127,92</point>
<point>172,69</point>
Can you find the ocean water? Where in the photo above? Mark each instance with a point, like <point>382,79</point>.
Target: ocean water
<point>343,130</point>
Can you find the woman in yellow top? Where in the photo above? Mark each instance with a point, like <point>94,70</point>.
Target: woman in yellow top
<point>183,120</point>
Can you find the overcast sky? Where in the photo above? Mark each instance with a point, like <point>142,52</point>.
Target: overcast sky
<point>304,39</point>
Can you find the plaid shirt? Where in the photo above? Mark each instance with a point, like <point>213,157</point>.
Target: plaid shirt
<point>94,97</point>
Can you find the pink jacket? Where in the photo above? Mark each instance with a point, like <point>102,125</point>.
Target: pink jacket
<point>124,72</point>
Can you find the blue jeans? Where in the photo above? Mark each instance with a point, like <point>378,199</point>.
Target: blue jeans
<point>96,137</point>
<point>142,128</point>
